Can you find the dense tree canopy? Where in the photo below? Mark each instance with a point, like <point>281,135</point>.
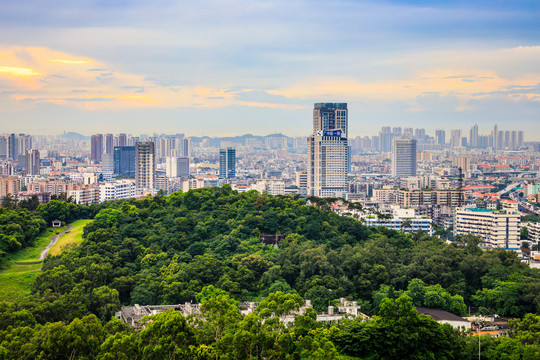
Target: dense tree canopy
<point>204,246</point>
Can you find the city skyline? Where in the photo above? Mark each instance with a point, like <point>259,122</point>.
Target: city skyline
<point>224,68</point>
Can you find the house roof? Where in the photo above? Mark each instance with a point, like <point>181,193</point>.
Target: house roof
<point>439,315</point>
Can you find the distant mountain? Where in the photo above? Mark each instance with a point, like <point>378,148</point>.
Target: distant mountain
<point>75,136</point>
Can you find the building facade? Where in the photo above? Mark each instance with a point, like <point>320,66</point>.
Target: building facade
<point>328,151</point>
<point>124,160</point>
<point>498,228</point>
<point>145,165</point>
<point>227,163</point>
<point>403,157</point>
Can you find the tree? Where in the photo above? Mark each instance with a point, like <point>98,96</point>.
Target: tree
<point>166,336</point>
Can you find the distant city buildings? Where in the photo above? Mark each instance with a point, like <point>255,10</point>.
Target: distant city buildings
<point>96,147</point>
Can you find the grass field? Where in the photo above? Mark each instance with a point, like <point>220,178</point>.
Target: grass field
<point>73,236</point>
<point>15,279</point>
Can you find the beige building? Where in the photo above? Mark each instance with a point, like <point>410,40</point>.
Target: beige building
<point>498,228</point>
<point>9,185</point>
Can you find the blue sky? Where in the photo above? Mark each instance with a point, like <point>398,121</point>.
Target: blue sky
<point>232,67</point>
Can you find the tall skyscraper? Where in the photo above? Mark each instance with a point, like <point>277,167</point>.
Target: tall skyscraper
<point>330,116</point>
<point>96,147</point>
<point>32,162</point>
<point>122,140</point>
<point>13,147</point>
<point>186,147</point>
<point>109,144</point>
<point>124,160</point>
<point>328,151</point>
<point>473,136</point>
<point>227,163</point>
<point>403,157</point>
<point>440,137</point>
<point>145,165</point>
<point>455,140</point>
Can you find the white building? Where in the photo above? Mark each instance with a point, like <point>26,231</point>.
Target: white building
<point>272,187</point>
<point>177,166</point>
<point>406,224</point>
<point>122,189</point>
<point>534,232</point>
<point>498,228</point>
<point>328,151</point>
<point>403,157</point>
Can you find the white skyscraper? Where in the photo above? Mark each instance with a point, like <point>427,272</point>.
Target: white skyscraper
<point>403,157</point>
<point>328,151</point>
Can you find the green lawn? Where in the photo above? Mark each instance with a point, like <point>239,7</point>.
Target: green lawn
<point>73,236</point>
<point>15,280</point>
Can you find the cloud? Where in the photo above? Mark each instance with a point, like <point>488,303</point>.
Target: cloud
<point>437,101</point>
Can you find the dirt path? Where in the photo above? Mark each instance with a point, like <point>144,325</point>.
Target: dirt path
<point>54,239</point>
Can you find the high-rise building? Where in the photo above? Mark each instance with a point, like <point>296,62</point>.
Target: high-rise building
<point>328,151</point>
<point>186,147</point>
<point>227,163</point>
<point>96,147</point>
<point>473,136</point>
<point>495,137</point>
<point>403,157</point>
<point>177,166</point>
<point>109,144</point>
<point>145,165</point>
<point>331,116</point>
<point>122,140</point>
<point>32,162</point>
<point>124,160</point>
<point>12,147</point>
<point>455,140</point>
<point>440,137</point>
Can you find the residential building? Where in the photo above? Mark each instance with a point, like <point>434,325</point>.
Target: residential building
<point>109,144</point>
<point>32,162</point>
<point>498,228</point>
<point>96,147</point>
<point>9,185</point>
<point>145,165</point>
<point>122,189</point>
<point>403,157</point>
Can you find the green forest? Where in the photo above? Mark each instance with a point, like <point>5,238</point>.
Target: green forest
<point>203,246</point>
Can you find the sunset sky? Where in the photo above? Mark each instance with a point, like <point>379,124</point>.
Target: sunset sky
<point>233,67</point>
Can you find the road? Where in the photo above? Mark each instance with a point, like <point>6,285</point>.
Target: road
<point>53,241</point>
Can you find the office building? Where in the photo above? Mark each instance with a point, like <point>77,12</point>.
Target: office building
<point>227,163</point>
<point>96,147</point>
<point>328,151</point>
<point>12,147</point>
<point>331,116</point>
<point>177,166</point>
<point>403,157</point>
<point>498,228</point>
<point>145,165</point>
<point>32,162</point>
<point>124,160</point>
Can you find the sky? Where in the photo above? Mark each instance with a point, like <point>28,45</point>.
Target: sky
<point>222,68</point>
